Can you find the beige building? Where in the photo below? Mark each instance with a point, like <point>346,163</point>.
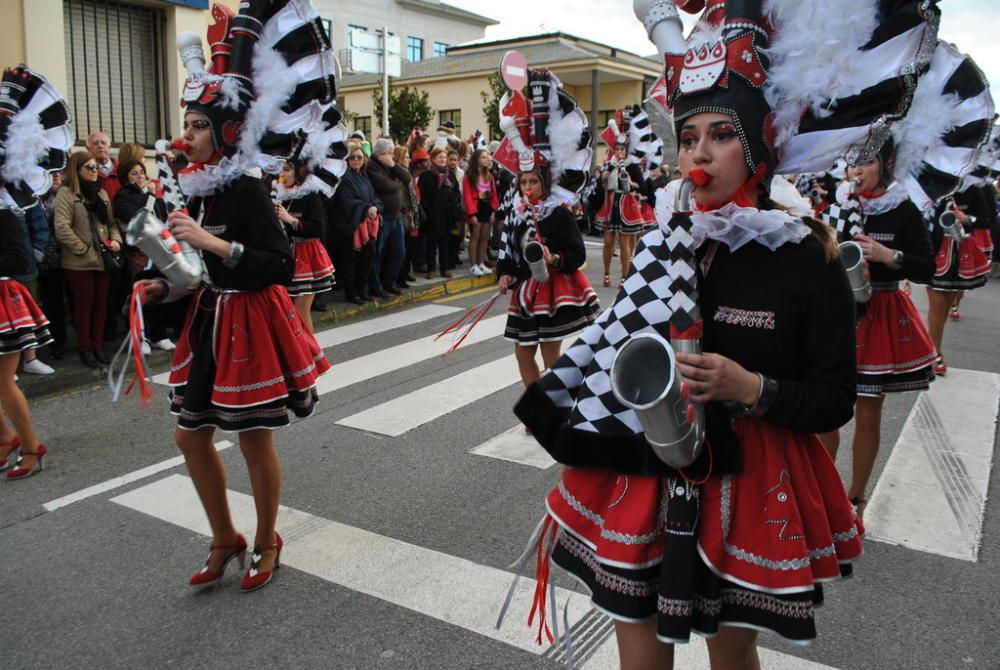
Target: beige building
<point>116,65</point>
<point>601,78</point>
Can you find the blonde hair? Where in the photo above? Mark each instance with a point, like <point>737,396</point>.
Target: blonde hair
<point>437,151</point>
<point>356,146</point>
<point>130,151</point>
<point>76,159</point>
<point>399,152</point>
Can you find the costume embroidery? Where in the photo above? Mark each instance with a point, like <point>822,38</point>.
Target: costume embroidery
<point>745,317</point>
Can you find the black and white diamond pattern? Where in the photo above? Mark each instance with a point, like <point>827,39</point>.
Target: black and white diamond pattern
<point>579,379</point>
<point>845,218</point>
<point>172,195</point>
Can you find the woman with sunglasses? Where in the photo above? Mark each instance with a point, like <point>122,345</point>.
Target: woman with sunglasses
<point>82,209</point>
<point>353,216</point>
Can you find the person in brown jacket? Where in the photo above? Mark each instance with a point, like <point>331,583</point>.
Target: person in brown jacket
<point>81,207</point>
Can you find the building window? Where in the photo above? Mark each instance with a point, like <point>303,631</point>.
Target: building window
<point>454,115</point>
<point>414,49</point>
<point>440,49</point>
<point>364,124</point>
<point>603,116</point>
<point>116,72</point>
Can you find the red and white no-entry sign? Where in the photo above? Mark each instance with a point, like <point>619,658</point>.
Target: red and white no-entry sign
<point>514,70</point>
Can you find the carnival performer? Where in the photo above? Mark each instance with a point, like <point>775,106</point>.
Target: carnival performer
<point>740,540</point>
<point>549,148</point>
<point>35,137</point>
<point>245,357</point>
<point>963,261</point>
<point>300,207</point>
<point>626,211</point>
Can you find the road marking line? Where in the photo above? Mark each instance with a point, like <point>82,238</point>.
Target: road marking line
<point>402,414</point>
<point>382,362</point>
<point>515,446</point>
<point>931,495</point>
<point>355,331</point>
<point>117,482</point>
<point>466,294</point>
<point>438,585</point>
<point>444,587</point>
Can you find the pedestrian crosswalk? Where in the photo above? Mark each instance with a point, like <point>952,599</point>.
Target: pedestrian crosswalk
<point>460,592</point>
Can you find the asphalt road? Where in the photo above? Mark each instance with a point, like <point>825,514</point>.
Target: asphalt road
<point>98,583</point>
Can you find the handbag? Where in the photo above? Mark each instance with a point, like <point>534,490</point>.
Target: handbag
<point>112,260</point>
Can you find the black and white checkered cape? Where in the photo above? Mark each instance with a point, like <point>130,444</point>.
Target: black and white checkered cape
<point>579,380</point>
<point>172,195</point>
<point>845,218</point>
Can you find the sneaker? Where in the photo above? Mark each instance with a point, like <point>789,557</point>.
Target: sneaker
<point>475,271</point>
<point>165,344</point>
<point>145,349</point>
<point>485,270</point>
<point>36,367</point>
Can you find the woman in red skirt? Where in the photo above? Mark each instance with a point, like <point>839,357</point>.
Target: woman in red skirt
<point>35,137</point>
<point>300,208</point>
<point>744,538</point>
<point>245,358</point>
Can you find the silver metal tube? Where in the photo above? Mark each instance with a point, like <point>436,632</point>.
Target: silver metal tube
<point>179,262</point>
<point>853,259</point>
<point>534,256</point>
<point>951,227</point>
<point>644,378</point>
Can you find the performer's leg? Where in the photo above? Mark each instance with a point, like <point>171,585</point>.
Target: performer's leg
<point>627,246</point>
<point>209,478</point>
<point>303,305</point>
<point>16,407</point>
<point>733,648</point>
<point>526,364</point>
<point>609,246</point>
<point>639,649</point>
<point>955,302</point>
<point>831,441</point>
<point>938,303</point>
<point>265,480</point>
<point>867,437</point>
<point>550,352</point>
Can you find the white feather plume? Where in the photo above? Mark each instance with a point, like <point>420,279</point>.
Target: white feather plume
<point>26,146</point>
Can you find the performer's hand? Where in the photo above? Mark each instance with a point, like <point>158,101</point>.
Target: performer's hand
<point>504,283</point>
<point>961,216</point>
<point>155,289</point>
<point>874,252</point>
<point>283,215</point>
<point>186,229</point>
<point>546,255</point>
<point>715,377</point>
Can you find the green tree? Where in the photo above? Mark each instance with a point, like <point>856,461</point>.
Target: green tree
<point>491,105</point>
<point>408,109</point>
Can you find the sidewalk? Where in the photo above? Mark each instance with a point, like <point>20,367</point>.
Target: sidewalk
<point>72,378</point>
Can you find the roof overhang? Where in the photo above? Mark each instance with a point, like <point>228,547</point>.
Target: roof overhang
<point>448,11</point>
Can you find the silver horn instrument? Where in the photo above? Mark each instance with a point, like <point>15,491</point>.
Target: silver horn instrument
<point>179,262</point>
<point>853,259</point>
<point>951,227</point>
<point>534,256</point>
<point>644,378</point>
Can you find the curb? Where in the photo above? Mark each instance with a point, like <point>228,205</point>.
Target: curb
<point>74,379</point>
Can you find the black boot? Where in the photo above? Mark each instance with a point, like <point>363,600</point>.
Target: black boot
<point>88,359</point>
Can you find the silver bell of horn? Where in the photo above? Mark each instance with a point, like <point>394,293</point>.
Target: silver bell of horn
<point>179,262</point>
<point>951,227</point>
<point>534,256</point>
<point>644,378</point>
<point>853,259</point>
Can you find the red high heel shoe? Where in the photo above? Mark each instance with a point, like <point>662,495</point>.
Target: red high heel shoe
<point>255,578</point>
<point>21,472</point>
<point>206,577</point>
<point>13,456</point>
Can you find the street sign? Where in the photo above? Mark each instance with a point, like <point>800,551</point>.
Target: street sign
<point>362,60</point>
<point>514,70</point>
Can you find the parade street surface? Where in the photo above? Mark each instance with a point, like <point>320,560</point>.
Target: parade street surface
<point>411,491</point>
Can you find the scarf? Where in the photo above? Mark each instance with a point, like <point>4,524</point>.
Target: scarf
<point>443,175</point>
<point>90,195</point>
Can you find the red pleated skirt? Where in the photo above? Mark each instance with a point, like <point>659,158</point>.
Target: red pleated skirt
<point>261,349</point>
<point>894,350</point>
<point>965,266</point>
<point>313,268</point>
<point>23,325</point>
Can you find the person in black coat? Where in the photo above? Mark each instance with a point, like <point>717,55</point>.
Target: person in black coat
<point>438,194</point>
<point>354,203</point>
<point>391,182</point>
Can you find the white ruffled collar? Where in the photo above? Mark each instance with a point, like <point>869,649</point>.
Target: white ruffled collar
<point>311,184</point>
<point>201,180</point>
<point>888,201</point>
<point>735,226</point>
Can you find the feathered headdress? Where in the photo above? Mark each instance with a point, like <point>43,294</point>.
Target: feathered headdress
<point>798,103</point>
<point>631,128</point>
<point>35,136</point>
<point>546,133</point>
<point>946,129</point>
<point>272,74</point>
